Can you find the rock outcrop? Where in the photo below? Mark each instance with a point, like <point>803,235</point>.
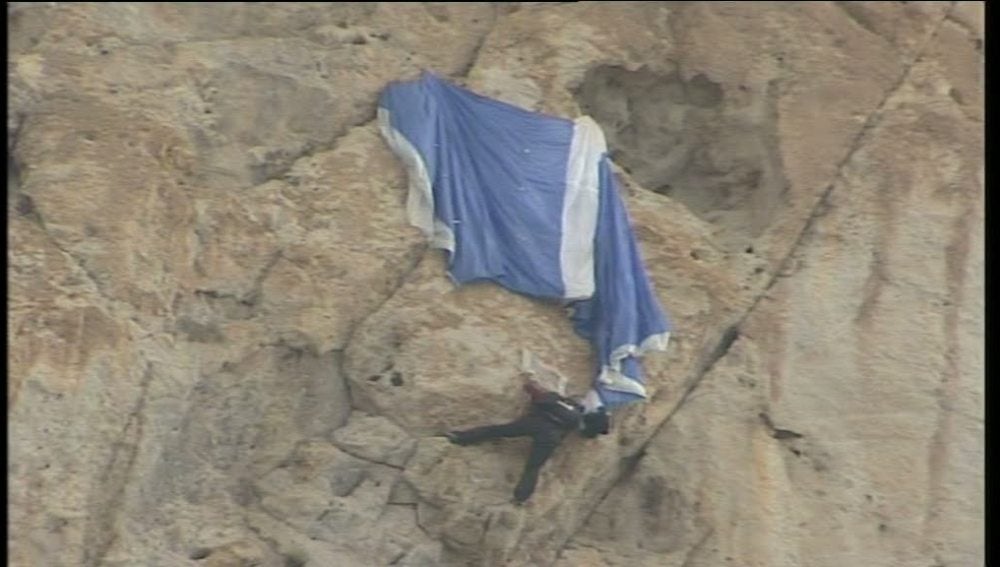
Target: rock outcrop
<point>227,346</point>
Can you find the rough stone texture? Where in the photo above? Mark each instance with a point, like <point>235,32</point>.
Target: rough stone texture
<point>831,434</point>
<point>375,438</point>
<point>228,347</point>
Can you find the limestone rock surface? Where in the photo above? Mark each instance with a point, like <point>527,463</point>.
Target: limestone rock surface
<point>228,347</point>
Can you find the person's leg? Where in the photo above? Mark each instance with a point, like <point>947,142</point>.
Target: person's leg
<point>516,428</point>
<point>542,447</point>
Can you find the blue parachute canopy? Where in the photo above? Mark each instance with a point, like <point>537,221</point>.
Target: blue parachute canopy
<point>529,201</point>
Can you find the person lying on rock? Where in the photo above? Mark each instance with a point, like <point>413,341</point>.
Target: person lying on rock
<point>548,420</point>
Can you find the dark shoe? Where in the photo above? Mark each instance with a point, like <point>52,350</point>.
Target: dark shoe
<point>521,495</point>
<point>454,438</point>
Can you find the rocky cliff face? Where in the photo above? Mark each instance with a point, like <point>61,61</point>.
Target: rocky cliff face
<point>227,347</point>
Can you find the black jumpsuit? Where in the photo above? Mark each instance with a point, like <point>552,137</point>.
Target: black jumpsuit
<point>546,434</point>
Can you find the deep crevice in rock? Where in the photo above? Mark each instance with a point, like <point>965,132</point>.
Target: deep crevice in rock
<point>199,554</point>
<point>412,263</point>
<point>858,13</point>
<point>272,543</point>
<point>776,432</point>
<point>474,56</point>
<point>23,203</point>
<point>367,459</point>
<point>691,554</point>
<point>102,529</point>
<point>967,29</point>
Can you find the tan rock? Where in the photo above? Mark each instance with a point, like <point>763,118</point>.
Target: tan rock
<point>376,439</point>
<point>238,554</point>
<point>210,269</point>
<point>845,426</point>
